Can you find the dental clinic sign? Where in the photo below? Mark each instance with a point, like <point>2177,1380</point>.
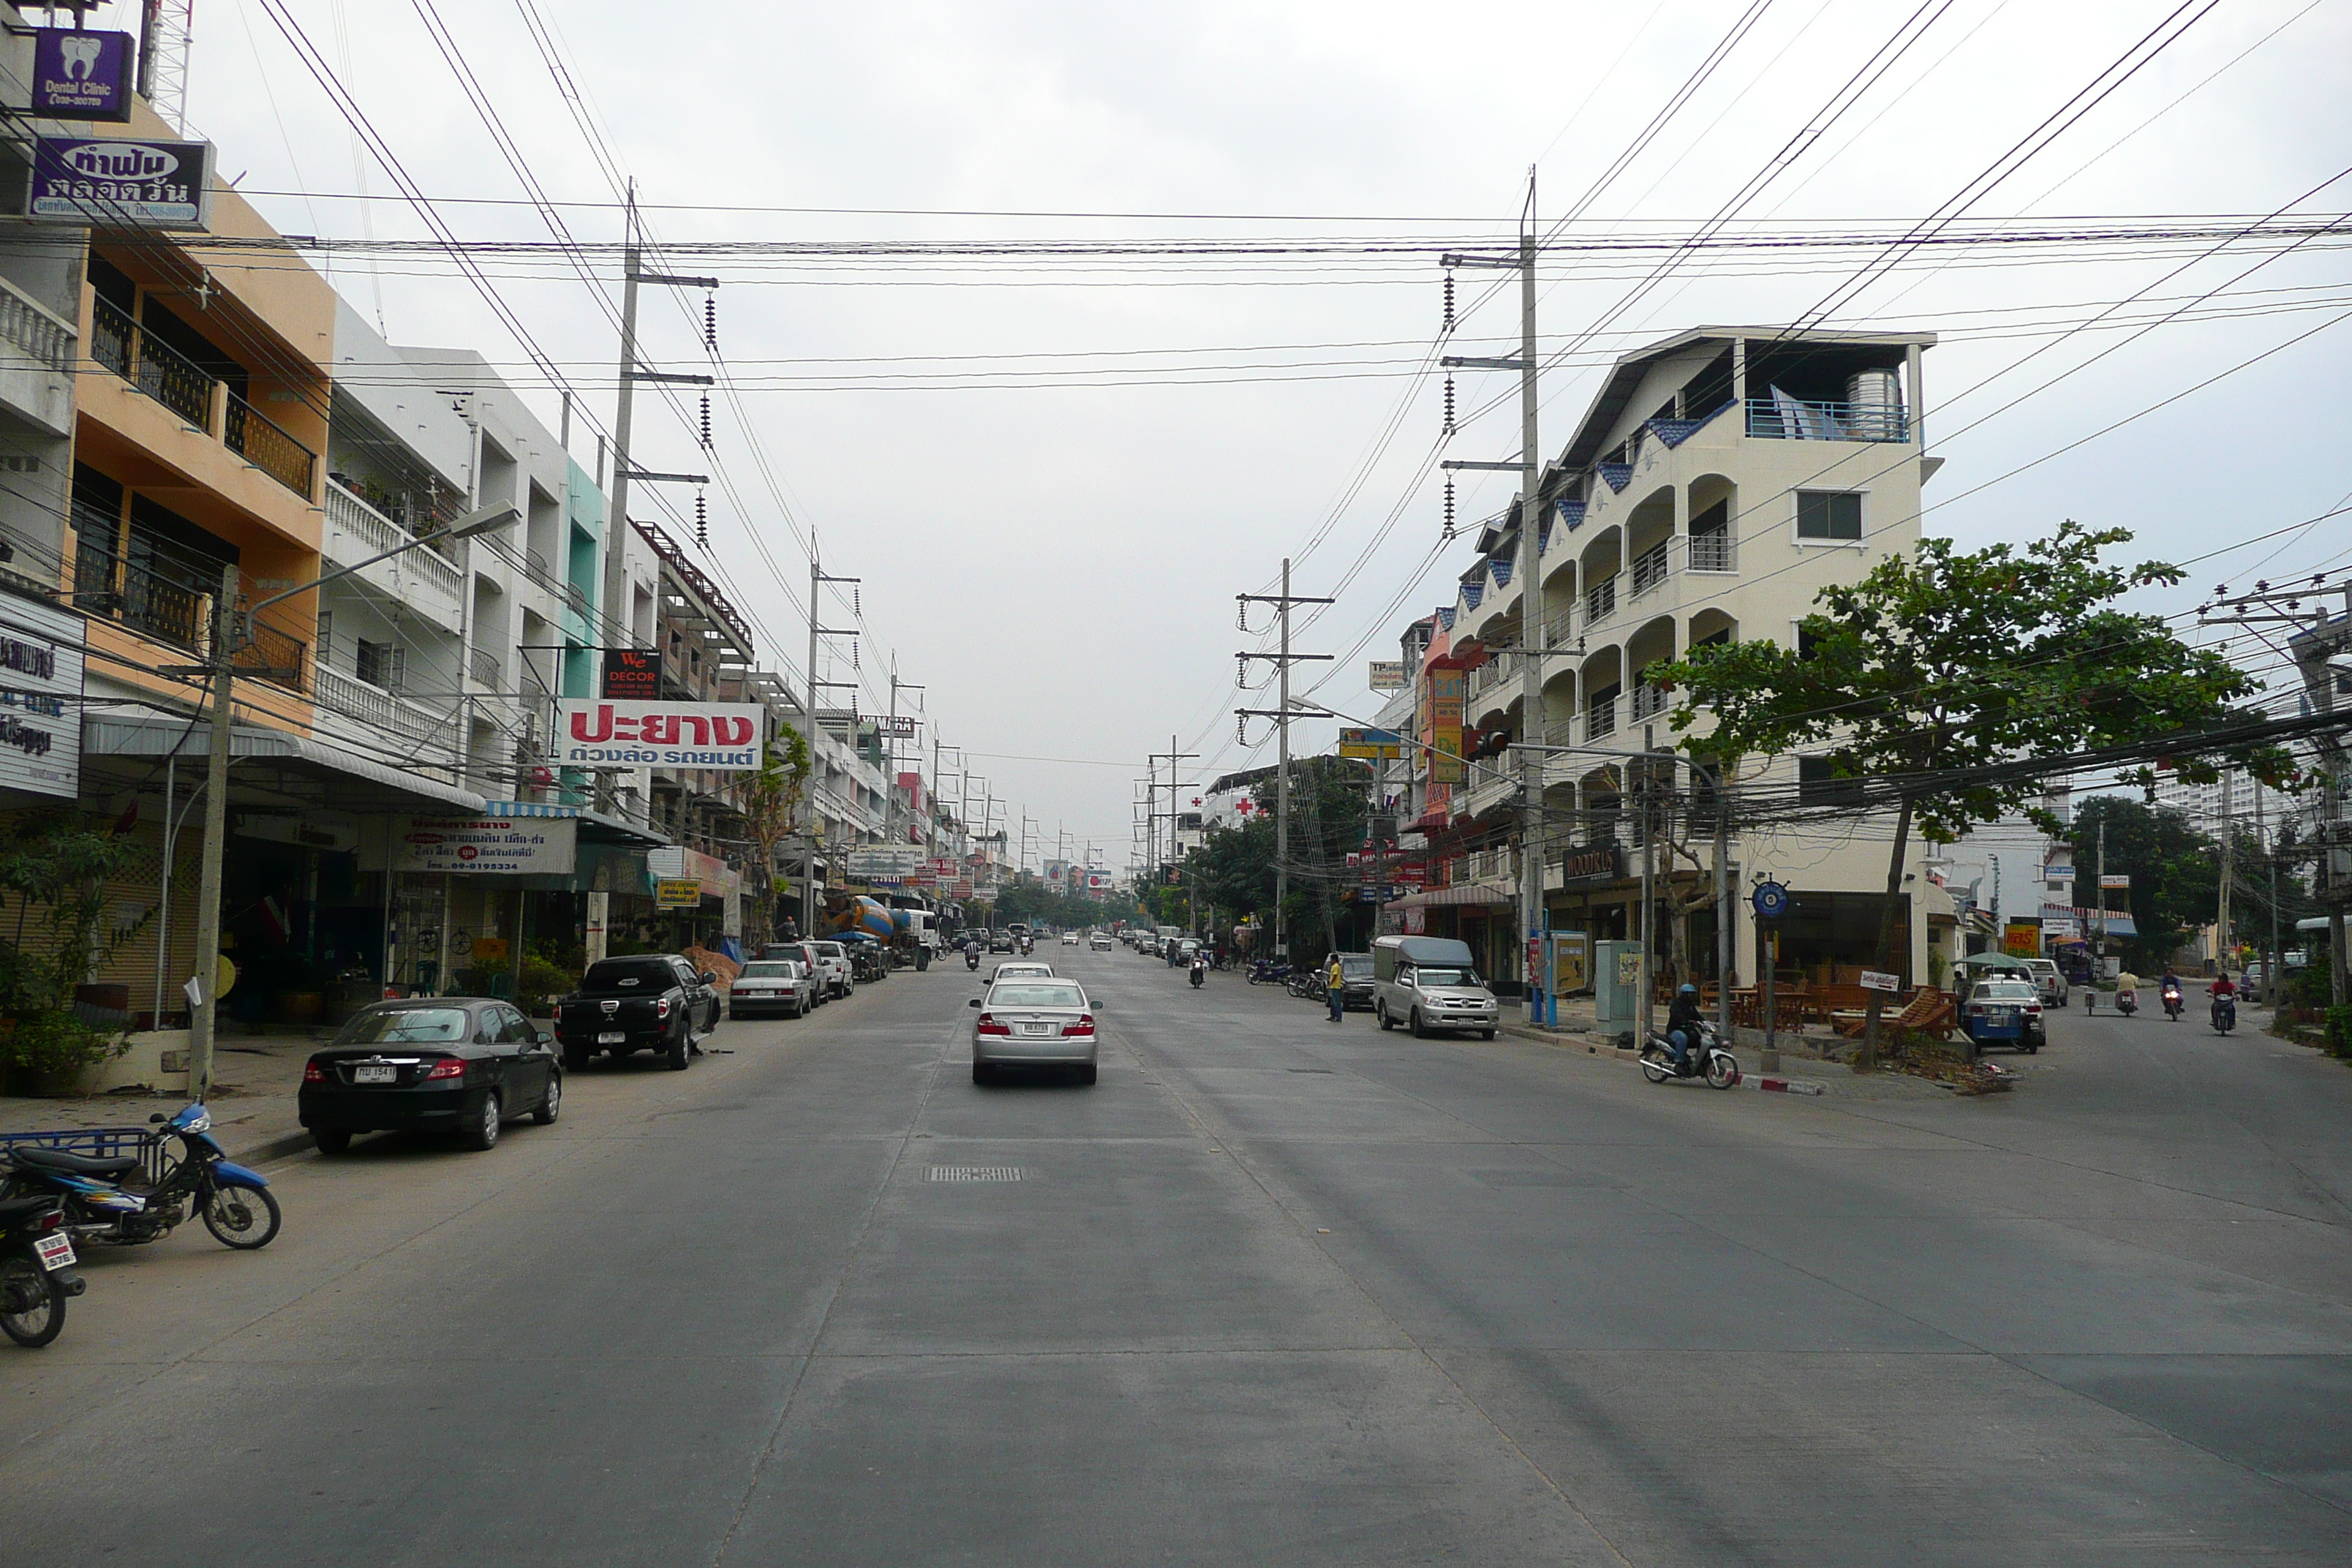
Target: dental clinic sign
<point>161,184</point>
<point>593,732</point>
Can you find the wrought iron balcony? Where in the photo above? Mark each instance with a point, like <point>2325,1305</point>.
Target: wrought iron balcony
<point>184,387</point>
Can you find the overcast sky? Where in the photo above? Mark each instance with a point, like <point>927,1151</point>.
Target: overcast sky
<point>1051,545</point>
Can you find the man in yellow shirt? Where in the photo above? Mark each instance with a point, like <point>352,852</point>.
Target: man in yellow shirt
<point>1334,984</point>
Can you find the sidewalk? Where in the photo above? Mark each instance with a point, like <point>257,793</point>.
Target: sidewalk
<point>1803,1057</point>
<point>255,1079</point>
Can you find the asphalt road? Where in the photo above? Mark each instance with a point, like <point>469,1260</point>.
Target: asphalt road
<point>1273,1292</point>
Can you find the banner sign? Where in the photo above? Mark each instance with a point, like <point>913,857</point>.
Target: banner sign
<point>1445,694</point>
<point>1388,675</point>
<point>2113,884</point>
<point>40,697</point>
<point>632,674</point>
<point>80,75</point>
<point>677,893</point>
<point>886,863</point>
<point>904,725</point>
<point>2022,939</point>
<point>534,846</point>
<point>1098,881</point>
<point>1377,745</point>
<point>590,733</point>
<point>90,179</point>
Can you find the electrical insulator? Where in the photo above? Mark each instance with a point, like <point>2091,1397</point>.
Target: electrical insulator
<point>701,522</point>
<point>1241,732</point>
<point>710,322</point>
<point>705,422</point>
<point>852,653</point>
<point>855,607</point>
<point>1449,301</point>
<point>1449,508</point>
<point>1449,406</point>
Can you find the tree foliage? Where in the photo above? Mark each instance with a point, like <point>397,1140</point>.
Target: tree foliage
<point>771,800</point>
<point>2174,870</point>
<point>1947,660</point>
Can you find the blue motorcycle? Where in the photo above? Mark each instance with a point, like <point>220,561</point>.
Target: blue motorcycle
<point>128,1199</point>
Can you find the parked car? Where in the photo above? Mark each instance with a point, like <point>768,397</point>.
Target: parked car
<point>2252,983</point>
<point>1356,968</point>
<point>2004,1012</point>
<point>833,972</point>
<point>1031,1022</point>
<point>441,1064</point>
<point>2049,980</point>
<point>803,953</point>
<point>1428,982</point>
<point>771,985</point>
<point>655,1002</point>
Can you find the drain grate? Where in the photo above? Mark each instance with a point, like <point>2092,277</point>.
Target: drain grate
<point>975,1173</point>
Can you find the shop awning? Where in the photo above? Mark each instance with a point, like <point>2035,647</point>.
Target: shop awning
<point>595,827</point>
<point>358,783</point>
<point>1501,893</point>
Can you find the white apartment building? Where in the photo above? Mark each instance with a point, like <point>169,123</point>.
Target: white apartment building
<point>1721,479</point>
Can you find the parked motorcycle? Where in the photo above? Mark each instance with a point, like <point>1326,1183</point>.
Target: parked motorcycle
<point>2171,995</point>
<point>2225,1014</point>
<point>37,1276</point>
<point>1264,971</point>
<point>1200,972</point>
<point>1707,1059</point>
<point>111,1200</point>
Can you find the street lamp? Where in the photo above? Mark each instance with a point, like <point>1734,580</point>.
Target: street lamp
<point>203,998</point>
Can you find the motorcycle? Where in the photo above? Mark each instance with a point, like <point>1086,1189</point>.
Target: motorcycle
<point>2127,1002</point>
<point>2225,1014</point>
<point>972,958</point>
<point>37,1276</point>
<point>1707,1059</point>
<point>1200,972</point>
<point>2171,995</point>
<point>1263,971</point>
<point>102,1204</point>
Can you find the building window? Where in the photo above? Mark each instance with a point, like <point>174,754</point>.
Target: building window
<point>1819,785</point>
<point>1829,514</point>
<point>379,663</point>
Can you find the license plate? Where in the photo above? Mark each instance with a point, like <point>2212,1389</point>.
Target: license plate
<point>1037,1028</point>
<point>53,1251</point>
<point>611,1037</point>
<point>372,1073</point>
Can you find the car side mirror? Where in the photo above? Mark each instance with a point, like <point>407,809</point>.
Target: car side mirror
<point>709,976</point>
<point>544,1038</point>
<point>975,1001</point>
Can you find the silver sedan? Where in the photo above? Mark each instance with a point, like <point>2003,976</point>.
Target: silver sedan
<point>1034,1023</point>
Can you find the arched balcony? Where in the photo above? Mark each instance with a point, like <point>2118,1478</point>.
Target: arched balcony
<point>1714,524</point>
<point>1653,644</point>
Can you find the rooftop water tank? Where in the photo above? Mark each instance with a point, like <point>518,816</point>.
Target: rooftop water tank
<point>1874,398</point>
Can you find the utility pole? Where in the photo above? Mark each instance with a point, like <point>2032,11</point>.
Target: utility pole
<point>1645,809</point>
<point>2102,902</point>
<point>1281,714</point>
<point>890,784</point>
<point>615,611</point>
<point>1529,469</point>
<point>1175,759</point>
<point>2229,872</point>
<point>203,1004</point>
<point>817,577</point>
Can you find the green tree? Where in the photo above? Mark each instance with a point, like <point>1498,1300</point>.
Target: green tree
<point>771,800</point>
<point>2175,871</point>
<point>1950,660</point>
<point>54,867</point>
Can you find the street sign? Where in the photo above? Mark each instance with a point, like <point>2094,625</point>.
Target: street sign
<point>1771,901</point>
<point>677,893</point>
<point>2114,884</point>
<point>1874,980</point>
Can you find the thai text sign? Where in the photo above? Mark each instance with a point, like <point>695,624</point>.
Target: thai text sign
<point>1377,745</point>
<point>40,697</point>
<point>1388,675</point>
<point>1878,979</point>
<point>2114,884</point>
<point>677,893</point>
<point>81,75</point>
<point>1445,693</point>
<point>591,732</point>
<point>2022,937</point>
<point>102,180</point>
<point>537,846</point>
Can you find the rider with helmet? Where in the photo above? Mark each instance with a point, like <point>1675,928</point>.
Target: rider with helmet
<point>1683,1019</point>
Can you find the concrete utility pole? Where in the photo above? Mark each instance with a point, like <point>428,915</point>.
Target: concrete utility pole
<point>1645,813</point>
<point>1282,713</point>
<point>1530,468</point>
<point>817,577</point>
<point>203,1001</point>
<point>2229,872</point>
<point>890,784</point>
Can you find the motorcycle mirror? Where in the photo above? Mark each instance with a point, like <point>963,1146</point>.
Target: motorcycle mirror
<point>159,1116</point>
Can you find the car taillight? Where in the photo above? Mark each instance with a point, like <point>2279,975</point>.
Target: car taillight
<point>1085,1025</point>
<point>555,1013</point>
<point>313,1073</point>
<point>447,1066</point>
<point>988,1026</point>
<point>661,1008</point>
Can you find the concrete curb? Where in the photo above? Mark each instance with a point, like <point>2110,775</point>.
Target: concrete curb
<point>270,1150</point>
<point>1789,1085</point>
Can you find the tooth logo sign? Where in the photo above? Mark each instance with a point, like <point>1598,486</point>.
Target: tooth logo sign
<point>120,161</point>
<point>80,55</point>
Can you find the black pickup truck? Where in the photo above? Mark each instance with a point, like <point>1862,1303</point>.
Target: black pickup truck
<point>655,1002</point>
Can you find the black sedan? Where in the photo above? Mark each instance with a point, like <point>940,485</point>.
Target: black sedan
<point>450,1064</point>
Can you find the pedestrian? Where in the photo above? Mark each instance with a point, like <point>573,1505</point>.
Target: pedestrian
<point>1335,984</point>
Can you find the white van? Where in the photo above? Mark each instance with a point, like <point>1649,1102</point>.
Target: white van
<point>1428,982</point>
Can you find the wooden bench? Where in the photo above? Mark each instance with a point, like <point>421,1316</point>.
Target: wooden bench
<point>1929,1012</point>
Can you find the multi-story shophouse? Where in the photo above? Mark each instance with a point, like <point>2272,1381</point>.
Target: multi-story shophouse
<point>1718,481</point>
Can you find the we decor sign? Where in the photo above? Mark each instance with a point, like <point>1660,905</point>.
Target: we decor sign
<point>591,733</point>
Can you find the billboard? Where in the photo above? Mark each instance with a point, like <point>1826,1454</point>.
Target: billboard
<point>94,179</point>
<point>632,674</point>
<point>1057,873</point>
<point>470,846</point>
<point>1445,693</point>
<point>677,893</point>
<point>591,732</point>
<point>2021,939</point>
<point>40,697</point>
<point>1098,881</point>
<point>1375,745</point>
<point>1388,675</point>
<point>81,75</point>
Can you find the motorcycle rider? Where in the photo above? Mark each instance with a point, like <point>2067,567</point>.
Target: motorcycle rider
<point>2168,988</point>
<point>2223,989</point>
<point>1682,1020</point>
<point>2126,992</point>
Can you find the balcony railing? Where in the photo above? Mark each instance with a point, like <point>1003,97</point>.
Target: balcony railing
<point>1791,419</point>
<point>184,387</point>
<point>1601,601</point>
<point>374,534</point>
<point>380,710</point>
<point>270,654</point>
<point>109,587</point>
<point>253,435</point>
<point>483,667</point>
<point>1650,568</point>
<point>1601,717</point>
<point>27,326</point>
<point>1714,552</point>
<point>1649,699</point>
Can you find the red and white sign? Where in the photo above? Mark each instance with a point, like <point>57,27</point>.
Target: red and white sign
<point>595,732</point>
